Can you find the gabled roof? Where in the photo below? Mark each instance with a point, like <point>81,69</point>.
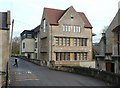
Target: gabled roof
<point>53,16</point>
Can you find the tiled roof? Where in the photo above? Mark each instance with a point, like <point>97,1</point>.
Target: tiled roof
<point>53,16</point>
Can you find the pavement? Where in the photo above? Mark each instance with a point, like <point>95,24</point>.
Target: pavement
<point>29,74</point>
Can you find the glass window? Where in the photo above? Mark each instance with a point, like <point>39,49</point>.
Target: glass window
<point>85,56</point>
<point>78,42</point>
<point>44,25</point>
<point>23,45</point>
<point>85,42</point>
<point>82,56</point>
<point>82,43</point>
<point>76,28</point>
<point>68,56</point>
<point>64,56</point>
<point>69,27</point>
<point>66,28</point>
<point>64,41</point>
<point>68,41</point>
<point>60,56</point>
<point>75,56</point>
<point>35,44</point>
<point>57,41</point>
<point>29,35</point>
<point>57,56</point>
<point>60,41</point>
<point>36,55</point>
<point>78,56</point>
<point>75,41</point>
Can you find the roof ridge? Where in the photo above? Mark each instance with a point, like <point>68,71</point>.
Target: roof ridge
<point>54,15</point>
<point>53,8</point>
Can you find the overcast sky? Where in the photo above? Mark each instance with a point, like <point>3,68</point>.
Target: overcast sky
<point>27,13</point>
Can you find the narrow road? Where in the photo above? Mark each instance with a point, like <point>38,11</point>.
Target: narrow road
<point>28,74</point>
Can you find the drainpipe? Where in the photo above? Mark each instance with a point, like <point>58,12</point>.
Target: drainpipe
<point>118,40</point>
<point>51,42</point>
<point>118,43</point>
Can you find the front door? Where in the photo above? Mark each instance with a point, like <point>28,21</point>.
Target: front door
<point>110,67</point>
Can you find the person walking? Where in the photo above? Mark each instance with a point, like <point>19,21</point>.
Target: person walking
<point>16,62</point>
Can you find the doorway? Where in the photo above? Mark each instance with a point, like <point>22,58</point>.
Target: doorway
<point>110,66</point>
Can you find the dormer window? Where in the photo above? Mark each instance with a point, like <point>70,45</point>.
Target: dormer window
<point>44,25</point>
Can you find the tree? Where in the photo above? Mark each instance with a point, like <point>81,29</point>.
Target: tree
<point>15,45</point>
<point>104,29</point>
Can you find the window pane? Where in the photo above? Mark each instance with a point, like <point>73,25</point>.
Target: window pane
<point>56,56</point>
<point>69,28</point>
<point>79,29</point>
<point>78,42</point>
<point>57,41</point>
<point>60,41</point>
<point>78,56</point>
<point>82,42</point>
<point>29,35</point>
<point>64,41</point>
<point>44,25</point>
<point>68,41</point>
<point>68,56</point>
<point>82,56</point>
<point>85,42</point>
<point>74,29</point>
<point>60,56</point>
<point>75,56</point>
<point>23,45</point>
<point>75,41</point>
<point>36,45</point>
<point>64,56</point>
<point>85,56</point>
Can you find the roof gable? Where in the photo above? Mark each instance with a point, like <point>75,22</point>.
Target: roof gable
<point>69,14</point>
<point>54,15</point>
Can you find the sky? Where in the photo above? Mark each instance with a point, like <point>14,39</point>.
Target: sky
<point>27,14</point>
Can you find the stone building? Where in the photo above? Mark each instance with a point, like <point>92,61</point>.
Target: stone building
<point>109,57</point>
<point>4,45</point>
<point>29,43</point>
<point>65,38</point>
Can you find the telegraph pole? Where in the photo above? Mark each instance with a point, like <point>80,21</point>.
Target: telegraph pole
<point>11,38</point>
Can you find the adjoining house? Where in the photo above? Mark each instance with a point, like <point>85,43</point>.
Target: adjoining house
<point>109,57</point>
<point>29,43</point>
<point>65,38</point>
<point>4,45</point>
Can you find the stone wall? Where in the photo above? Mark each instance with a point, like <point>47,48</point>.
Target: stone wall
<point>109,78</point>
<point>4,46</point>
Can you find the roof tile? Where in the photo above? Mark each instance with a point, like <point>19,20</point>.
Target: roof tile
<point>53,16</point>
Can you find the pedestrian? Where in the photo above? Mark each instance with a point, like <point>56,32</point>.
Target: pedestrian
<point>16,62</point>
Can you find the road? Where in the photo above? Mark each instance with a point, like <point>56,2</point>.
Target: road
<point>29,74</point>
